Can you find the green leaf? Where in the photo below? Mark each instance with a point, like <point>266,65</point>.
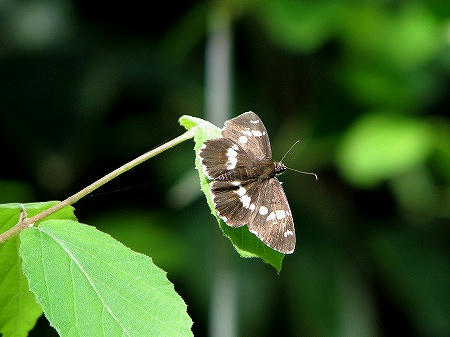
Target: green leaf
<point>89,284</point>
<point>245,243</point>
<point>379,146</point>
<point>18,308</point>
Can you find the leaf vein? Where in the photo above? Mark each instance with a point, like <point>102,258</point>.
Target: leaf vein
<point>74,302</point>
<point>5,306</point>
<point>6,274</point>
<point>121,271</point>
<point>136,306</point>
<point>103,322</point>
<point>45,275</point>
<point>41,229</point>
<point>19,298</point>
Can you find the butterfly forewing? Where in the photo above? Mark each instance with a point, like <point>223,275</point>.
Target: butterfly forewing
<point>273,223</point>
<point>249,132</point>
<point>219,156</point>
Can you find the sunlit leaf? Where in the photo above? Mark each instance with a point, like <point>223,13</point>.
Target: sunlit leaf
<point>18,308</point>
<point>379,146</point>
<point>89,284</point>
<point>246,243</point>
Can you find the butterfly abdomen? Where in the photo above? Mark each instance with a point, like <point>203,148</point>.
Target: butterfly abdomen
<point>260,172</point>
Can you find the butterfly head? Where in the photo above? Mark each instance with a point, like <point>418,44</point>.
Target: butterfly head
<point>279,167</point>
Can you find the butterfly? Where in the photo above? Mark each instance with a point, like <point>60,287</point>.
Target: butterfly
<point>244,187</point>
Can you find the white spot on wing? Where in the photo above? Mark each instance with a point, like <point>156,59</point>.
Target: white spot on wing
<point>235,147</point>
<point>232,164</point>
<point>280,214</point>
<point>252,207</point>
<point>231,153</point>
<point>263,210</point>
<point>271,216</point>
<point>288,233</point>
<point>241,191</point>
<point>232,158</point>
<point>245,199</point>
<point>247,132</point>
<point>235,183</point>
<point>205,171</point>
<point>255,122</point>
<point>243,139</point>
<point>257,133</point>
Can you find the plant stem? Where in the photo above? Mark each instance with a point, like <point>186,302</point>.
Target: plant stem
<point>28,222</point>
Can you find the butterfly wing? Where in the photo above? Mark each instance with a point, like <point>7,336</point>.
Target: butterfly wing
<point>272,222</point>
<point>221,155</point>
<point>235,201</point>
<point>249,132</point>
<point>233,191</point>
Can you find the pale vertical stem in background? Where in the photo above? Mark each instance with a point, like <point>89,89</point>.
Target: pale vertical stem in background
<point>218,64</point>
<point>223,303</point>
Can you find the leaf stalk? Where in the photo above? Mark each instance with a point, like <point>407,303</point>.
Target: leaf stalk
<point>28,222</point>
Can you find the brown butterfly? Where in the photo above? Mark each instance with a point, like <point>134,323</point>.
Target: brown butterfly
<point>245,190</point>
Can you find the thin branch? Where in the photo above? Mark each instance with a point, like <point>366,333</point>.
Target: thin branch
<point>29,222</point>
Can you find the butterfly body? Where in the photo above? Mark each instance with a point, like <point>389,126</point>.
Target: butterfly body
<point>244,187</point>
<point>264,170</point>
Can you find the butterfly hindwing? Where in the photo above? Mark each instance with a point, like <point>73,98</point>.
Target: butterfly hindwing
<point>235,201</point>
<point>220,155</point>
<point>249,132</point>
<point>273,223</point>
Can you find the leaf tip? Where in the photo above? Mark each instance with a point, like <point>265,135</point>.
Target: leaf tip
<point>186,122</point>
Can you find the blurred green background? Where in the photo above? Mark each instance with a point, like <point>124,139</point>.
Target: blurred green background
<point>86,86</point>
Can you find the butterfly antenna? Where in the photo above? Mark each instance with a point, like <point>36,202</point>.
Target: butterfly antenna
<point>310,173</point>
<point>290,149</point>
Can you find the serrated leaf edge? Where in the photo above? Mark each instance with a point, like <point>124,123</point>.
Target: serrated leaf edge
<point>39,300</point>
